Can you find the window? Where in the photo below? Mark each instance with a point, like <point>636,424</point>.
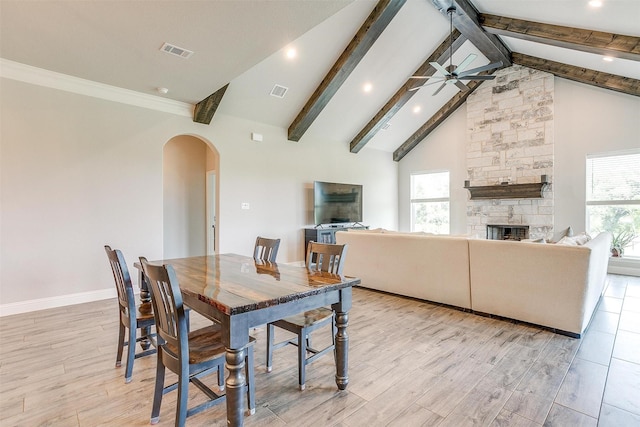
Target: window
<point>430,202</point>
<point>613,199</point>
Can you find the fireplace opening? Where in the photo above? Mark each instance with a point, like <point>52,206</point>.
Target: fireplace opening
<point>507,232</point>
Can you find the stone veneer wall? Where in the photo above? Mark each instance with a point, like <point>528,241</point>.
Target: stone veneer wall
<point>510,138</point>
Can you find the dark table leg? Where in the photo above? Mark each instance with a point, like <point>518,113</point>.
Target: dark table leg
<point>145,307</point>
<point>235,386</point>
<point>342,350</point>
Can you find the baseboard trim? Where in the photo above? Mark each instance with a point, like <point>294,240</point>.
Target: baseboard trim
<point>53,302</point>
<point>624,270</point>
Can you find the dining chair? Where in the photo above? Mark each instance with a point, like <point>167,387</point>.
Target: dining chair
<point>190,355</point>
<point>320,257</point>
<point>131,318</point>
<point>266,249</point>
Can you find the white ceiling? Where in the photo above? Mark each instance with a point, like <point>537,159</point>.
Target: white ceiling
<point>243,42</point>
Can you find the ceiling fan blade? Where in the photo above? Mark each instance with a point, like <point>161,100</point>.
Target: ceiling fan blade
<point>421,86</point>
<point>439,89</point>
<point>476,77</point>
<point>440,68</point>
<point>462,86</point>
<point>479,69</point>
<point>464,64</point>
<point>425,77</point>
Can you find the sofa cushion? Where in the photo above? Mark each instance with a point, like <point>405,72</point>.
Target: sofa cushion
<point>577,240</point>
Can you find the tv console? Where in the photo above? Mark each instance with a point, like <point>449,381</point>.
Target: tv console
<point>326,233</point>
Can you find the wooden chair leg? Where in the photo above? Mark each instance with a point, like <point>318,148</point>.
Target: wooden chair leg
<point>131,353</point>
<point>221,376</point>
<point>158,392</point>
<point>270,332</point>
<point>121,338</point>
<point>183,398</point>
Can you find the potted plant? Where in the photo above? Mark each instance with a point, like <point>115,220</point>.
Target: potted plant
<point>621,240</point>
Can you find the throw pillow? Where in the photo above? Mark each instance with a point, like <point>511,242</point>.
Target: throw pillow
<point>566,240</point>
<point>581,238</point>
<point>567,232</point>
<point>578,240</point>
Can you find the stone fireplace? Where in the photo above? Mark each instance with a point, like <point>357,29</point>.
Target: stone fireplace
<point>510,141</point>
<point>507,232</point>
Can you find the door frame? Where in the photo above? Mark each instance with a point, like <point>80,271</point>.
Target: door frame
<point>210,211</point>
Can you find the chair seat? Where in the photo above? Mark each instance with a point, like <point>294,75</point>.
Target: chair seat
<point>141,317</point>
<point>309,318</point>
<point>205,344</point>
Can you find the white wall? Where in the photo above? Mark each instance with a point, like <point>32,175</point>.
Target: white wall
<point>589,120</point>
<point>444,149</point>
<point>276,177</point>
<point>79,172</point>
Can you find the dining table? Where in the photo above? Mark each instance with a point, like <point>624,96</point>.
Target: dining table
<point>241,293</point>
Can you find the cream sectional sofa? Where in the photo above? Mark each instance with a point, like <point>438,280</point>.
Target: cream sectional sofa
<point>552,285</point>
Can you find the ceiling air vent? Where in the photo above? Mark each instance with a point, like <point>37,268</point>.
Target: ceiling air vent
<point>279,91</point>
<point>175,50</point>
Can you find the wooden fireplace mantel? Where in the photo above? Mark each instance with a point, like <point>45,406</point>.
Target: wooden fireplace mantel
<point>508,191</point>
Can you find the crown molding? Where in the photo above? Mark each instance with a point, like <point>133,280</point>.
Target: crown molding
<point>51,79</point>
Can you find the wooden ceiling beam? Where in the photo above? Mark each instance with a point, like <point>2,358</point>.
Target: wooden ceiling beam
<point>467,20</point>
<point>435,120</point>
<point>583,75</point>
<point>403,95</point>
<point>598,42</point>
<point>368,33</point>
<point>205,109</point>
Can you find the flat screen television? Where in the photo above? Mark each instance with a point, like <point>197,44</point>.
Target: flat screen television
<point>335,203</point>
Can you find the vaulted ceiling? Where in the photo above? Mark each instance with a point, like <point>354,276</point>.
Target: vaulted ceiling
<point>240,52</point>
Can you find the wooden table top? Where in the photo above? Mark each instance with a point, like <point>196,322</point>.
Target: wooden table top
<point>237,284</point>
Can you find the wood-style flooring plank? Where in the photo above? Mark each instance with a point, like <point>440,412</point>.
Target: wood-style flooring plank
<point>479,407</point>
<point>622,386</point>
<point>559,416</point>
<point>610,416</point>
<point>583,387</point>
<point>509,419</point>
<point>596,347</point>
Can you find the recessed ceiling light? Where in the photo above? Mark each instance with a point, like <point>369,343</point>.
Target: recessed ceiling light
<point>291,53</point>
<point>163,90</point>
<point>595,3</point>
<point>416,109</point>
<point>367,87</point>
<point>608,58</point>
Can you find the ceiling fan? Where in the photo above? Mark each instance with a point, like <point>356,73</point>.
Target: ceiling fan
<point>453,74</point>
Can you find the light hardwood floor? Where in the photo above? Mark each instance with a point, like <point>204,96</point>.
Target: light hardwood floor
<point>411,363</point>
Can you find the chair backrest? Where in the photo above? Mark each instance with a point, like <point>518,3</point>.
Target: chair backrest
<point>326,257</point>
<point>126,299</point>
<point>266,249</point>
<point>168,308</point>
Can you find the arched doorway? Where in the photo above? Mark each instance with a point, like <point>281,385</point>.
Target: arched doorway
<point>190,197</point>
